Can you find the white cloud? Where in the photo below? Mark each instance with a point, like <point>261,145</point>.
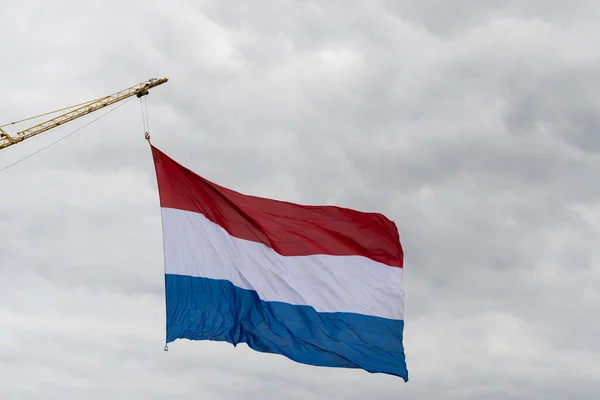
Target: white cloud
<point>472,125</point>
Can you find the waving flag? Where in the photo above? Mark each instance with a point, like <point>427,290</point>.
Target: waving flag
<point>321,285</point>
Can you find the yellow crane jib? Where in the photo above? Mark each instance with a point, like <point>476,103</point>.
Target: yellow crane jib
<point>139,90</point>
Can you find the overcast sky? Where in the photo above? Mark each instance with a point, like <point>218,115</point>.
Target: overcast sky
<point>473,125</point>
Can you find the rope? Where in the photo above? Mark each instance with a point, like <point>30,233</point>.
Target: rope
<point>147,114</point>
<point>143,116</point>
<point>145,119</point>
<point>64,137</point>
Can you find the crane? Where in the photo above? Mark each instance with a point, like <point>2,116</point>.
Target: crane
<point>79,110</point>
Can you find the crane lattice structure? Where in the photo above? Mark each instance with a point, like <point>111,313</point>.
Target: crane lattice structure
<point>77,111</point>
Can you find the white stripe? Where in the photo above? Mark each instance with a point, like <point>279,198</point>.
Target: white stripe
<point>195,246</point>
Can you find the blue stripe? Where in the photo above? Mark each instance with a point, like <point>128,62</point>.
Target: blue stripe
<point>210,309</point>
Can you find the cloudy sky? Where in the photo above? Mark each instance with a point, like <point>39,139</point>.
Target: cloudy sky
<point>472,125</point>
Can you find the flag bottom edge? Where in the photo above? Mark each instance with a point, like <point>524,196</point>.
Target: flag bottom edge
<point>204,309</point>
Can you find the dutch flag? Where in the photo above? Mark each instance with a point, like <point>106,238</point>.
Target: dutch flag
<point>321,285</point>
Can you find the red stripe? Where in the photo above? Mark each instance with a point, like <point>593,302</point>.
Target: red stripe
<point>289,229</point>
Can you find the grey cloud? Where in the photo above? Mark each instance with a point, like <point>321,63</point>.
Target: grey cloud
<point>471,126</point>
<point>448,21</point>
